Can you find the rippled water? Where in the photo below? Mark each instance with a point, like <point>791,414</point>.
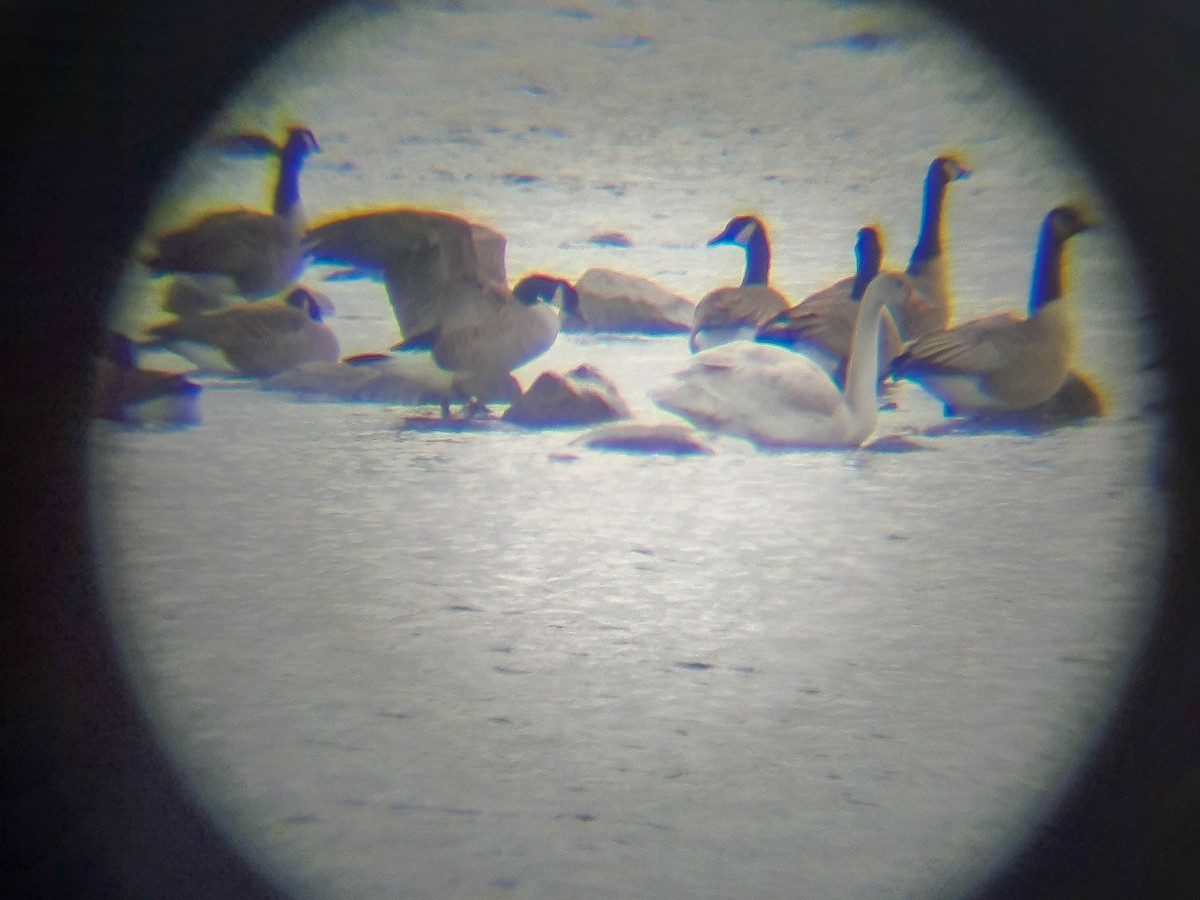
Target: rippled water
<point>406,662</point>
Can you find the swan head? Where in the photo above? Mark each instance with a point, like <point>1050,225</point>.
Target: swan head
<point>739,231</point>
<point>558,292</point>
<point>303,300</point>
<point>948,168</point>
<point>894,291</point>
<point>1066,221</point>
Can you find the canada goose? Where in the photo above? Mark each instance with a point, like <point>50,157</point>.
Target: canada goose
<point>252,339</point>
<point>730,313</point>
<point>1001,362</point>
<point>474,326</point>
<point>821,326</point>
<point>260,253</point>
<point>777,398</point>
<point>124,393</point>
<point>927,266</point>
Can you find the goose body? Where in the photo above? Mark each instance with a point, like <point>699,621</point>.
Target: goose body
<point>256,254</point>
<point>253,339</point>
<point>439,289</point>
<point>122,392</point>
<point>821,326</point>
<point>735,313</point>
<point>927,269</point>
<point>777,398</point>
<point>1005,363</point>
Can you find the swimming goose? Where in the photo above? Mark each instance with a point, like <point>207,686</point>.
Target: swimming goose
<point>730,313</point>
<point>927,266</point>
<point>1002,362</point>
<point>124,393</point>
<point>443,300</point>
<point>777,398</point>
<point>253,339</point>
<point>821,326</point>
<point>259,253</point>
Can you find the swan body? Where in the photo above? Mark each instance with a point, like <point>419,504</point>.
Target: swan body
<point>1005,363</point>
<point>258,254</point>
<point>927,270</point>
<point>256,339</point>
<point>736,313</point>
<point>821,326</point>
<point>777,398</point>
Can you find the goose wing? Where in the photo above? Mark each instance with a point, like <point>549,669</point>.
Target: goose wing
<point>754,304</point>
<point>231,241</point>
<point>427,259</point>
<point>979,347</point>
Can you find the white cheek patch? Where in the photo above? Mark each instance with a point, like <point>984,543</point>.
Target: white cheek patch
<point>743,236</point>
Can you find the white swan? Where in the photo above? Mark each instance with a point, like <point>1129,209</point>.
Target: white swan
<point>777,398</point>
<point>1003,363</point>
<point>253,339</point>
<point>260,253</point>
<point>734,313</point>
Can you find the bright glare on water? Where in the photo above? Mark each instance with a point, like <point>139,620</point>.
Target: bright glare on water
<point>427,663</point>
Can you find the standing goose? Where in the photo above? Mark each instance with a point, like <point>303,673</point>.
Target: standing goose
<point>1003,363</point>
<point>730,313</point>
<point>821,326</point>
<point>927,266</point>
<point>122,392</point>
<point>777,398</point>
<point>256,339</point>
<point>260,253</point>
<point>443,299</point>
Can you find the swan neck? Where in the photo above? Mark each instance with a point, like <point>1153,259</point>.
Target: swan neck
<point>862,367</point>
<point>1047,269</point>
<point>758,259</point>
<point>929,240</point>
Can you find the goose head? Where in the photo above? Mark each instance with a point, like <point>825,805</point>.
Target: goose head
<point>740,231</point>
<point>749,233</point>
<point>946,169</point>
<point>558,292</point>
<point>868,252</point>
<point>1066,221</point>
<point>299,143</point>
<point>304,300</point>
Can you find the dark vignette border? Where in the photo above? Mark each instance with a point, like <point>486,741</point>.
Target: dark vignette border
<point>100,97</point>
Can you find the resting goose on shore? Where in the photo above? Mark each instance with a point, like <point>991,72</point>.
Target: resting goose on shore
<point>255,339</point>
<point>821,326</point>
<point>474,326</point>
<point>252,253</point>
<point>927,266</point>
<point>1003,363</point>
<point>731,313</point>
<point>124,393</point>
<point>777,398</point>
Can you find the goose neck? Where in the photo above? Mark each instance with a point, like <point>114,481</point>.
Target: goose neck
<point>758,259</point>
<point>287,185</point>
<point>1047,269</point>
<point>929,239</point>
